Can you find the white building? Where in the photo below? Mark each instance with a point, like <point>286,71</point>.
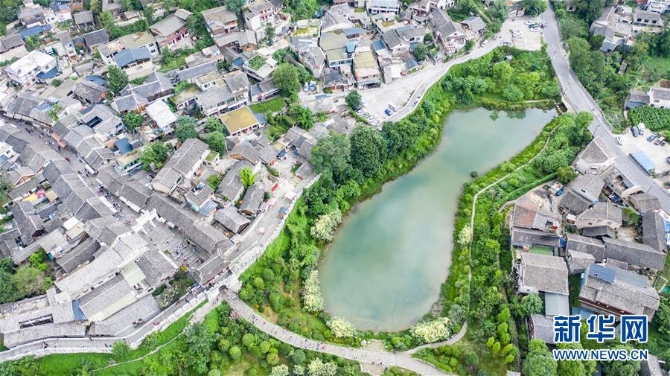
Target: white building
<point>25,71</point>
<point>658,6</point>
<point>128,42</point>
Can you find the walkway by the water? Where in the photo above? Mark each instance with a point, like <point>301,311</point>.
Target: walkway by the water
<point>382,358</point>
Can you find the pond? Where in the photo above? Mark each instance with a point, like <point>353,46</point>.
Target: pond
<point>384,269</point>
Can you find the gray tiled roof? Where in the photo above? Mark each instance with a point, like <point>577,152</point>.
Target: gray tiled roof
<point>135,192</point>
<point>598,231</point>
<point>583,244</point>
<point>231,219</point>
<point>144,308</point>
<point>543,328</point>
<point>543,273</point>
<point>84,17</point>
<point>619,289</point>
<point>156,267</point>
<point>106,229</point>
<point>231,186</point>
<point>96,37</point>
<point>104,295</point>
<point>579,261</point>
<point>634,253</point>
<point>653,231</point>
<point>89,91</point>
<point>207,237</point>
<point>522,237</point>
<point>171,211</point>
<point>601,213</point>
<point>78,255</point>
<point>253,199</point>
<point>644,202</point>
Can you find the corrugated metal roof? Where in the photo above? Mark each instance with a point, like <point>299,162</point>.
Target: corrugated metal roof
<point>643,160</point>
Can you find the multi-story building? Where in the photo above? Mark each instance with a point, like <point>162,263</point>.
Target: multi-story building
<point>27,70</point>
<point>172,29</point>
<point>257,15</point>
<point>220,20</point>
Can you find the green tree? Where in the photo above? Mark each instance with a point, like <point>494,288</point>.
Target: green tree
<point>331,155</point>
<point>235,353</point>
<point>272,358</point>
<point>621,368</point>
<point>539,361</point>
<point>512,94</point>
<point>186,128</point>
<point>428,38</point>
<point>298,357</point>
<point>575,368</point>
<point>534,7</point>
<point>420,52</point>
<point>155,153</point>
<point>589,10</point>
<point>29,280</point>
<point>368,150</point>
<point>214,372</point>
<point>120,349</point>
<point>199,341</point>
<point>353,99</point>
<point>235,5</point>
<point>213,124</point>
<point>217,142</point>
<point>661,320</point>
<point>8,291</point>
<point>33,42</point>
<point>532,304</point>
<point>117,78</point>
<point>573,27</point>
<point>566,174</point>
<point>302,115</point>
<point>132,121</point>
<point>107,21</point>
<point>280,370</point>
<point>286,79</point>
<point>247,177</point>
<point>270,32</point>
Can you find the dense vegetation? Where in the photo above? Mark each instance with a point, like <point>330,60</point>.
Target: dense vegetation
<point>222,344</point>
<point>610,77</point>
<point>654,118</point>
<point>283,284</point>
<point>28,280</point>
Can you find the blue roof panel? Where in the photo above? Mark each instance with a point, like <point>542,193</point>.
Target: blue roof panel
<point>35,30</point>
<point>50,74</point>
<point>123,145</point>
<point>643,160</point>
<point>378,45</point>
<point>127,57</point>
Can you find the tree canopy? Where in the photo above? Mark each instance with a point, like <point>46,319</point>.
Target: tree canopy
<point>247,177</point>
<point>353,99</point>
<point>332,155</point>
<point>539,361</point>
<point>368,150</point>
<point>155,153</point>
<point>132,121</point>
<point>235,5</point>
<point>420,52</point>
<point>534,7</point>
<point>217,142</point>
<point>286,79</point>
<point>186,128</point>
<point>117,78</point>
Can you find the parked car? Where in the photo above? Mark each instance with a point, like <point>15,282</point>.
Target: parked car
<point>507,43</point>
<point>635,131</point>
<point>484,43</point>
<point>530,22</point>
<point>663,143</point>
<point>667,160</point>
<point>651,138</point>
<point>659,140</point>
<point>392,107</point>
<point>388,112</point>
<point>641,131</point>
<point>619,140</point>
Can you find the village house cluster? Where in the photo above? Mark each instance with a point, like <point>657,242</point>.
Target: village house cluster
<point>600,237</point>
<point>121,236</point>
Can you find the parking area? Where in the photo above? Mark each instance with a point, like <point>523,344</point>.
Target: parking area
<point>519,33</point>
<point>657,153</point>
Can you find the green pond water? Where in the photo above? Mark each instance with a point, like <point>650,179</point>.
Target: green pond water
<point>384,269</point>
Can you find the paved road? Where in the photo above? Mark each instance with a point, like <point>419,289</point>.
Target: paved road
<point>383,358</point>
<point>578,99</point>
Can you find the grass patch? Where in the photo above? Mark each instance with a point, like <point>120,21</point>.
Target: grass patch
<point>539,250</point>
<point>273,105</point>
<point>256,62</point>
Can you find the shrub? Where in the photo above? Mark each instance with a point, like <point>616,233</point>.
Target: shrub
<point>431,331</point>
<point>341,328</point>
<point>312,298</point>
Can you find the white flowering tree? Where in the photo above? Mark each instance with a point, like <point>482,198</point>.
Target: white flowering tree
<point>311,297</point>
<point>325,225</point>
<point>431,331</point>
<point>298,370</point>
<point>465,236</point>
<point>341,328</point>
<point>318,368</point>
<point>280,370</point>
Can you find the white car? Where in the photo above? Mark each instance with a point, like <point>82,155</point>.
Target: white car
<point>619,140</point>
<point>530,22</point>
